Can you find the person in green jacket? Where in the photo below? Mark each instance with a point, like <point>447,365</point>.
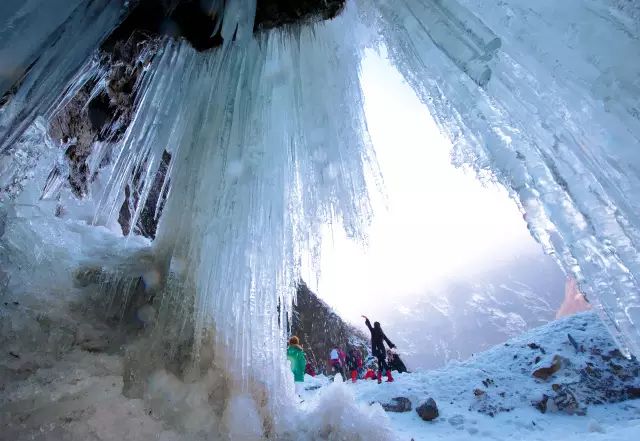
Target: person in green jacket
<point>298,361</point>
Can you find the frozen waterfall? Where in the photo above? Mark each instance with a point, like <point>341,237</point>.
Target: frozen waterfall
<point>268,142</point>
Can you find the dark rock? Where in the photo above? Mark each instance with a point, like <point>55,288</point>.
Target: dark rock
<point>275,13</point>
<point>541,405</point>
<point>574,343</point>
<point>428,410</point>
<point>533,346</point>
<point>147,223</point>
<point>398,404</point>
<point>633,392</point>
<point>195,23</point>
<point>545,372</point>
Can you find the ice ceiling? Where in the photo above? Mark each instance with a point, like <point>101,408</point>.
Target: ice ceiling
<point>268,141</point>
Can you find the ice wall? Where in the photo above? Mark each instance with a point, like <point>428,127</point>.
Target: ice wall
<point>558,123</point>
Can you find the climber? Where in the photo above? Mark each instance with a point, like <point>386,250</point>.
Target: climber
<point>298,361</point>
<point>377,348</point>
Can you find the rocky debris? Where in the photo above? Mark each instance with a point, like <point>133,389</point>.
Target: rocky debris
<point>486,403</point>
<point>542,403</point>
<point>543,373</point>
<point>564,400</point>
<point>398,404</point>
<point>594,372</point>
<point>428,410</point>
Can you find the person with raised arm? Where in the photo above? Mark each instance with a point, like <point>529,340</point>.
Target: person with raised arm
<point>377,348</point>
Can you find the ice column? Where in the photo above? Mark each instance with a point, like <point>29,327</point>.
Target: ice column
<point>268,142</point>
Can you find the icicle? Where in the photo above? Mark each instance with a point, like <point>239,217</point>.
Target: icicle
<point>43,43</point>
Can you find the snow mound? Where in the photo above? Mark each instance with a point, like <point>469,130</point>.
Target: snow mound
<point>494,394</point>
<point>334,414</point>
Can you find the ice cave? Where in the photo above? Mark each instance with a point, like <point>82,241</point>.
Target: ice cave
<point>167,168</point>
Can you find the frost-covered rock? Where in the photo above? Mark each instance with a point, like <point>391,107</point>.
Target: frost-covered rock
<point>398,404</point>
<point>428,410</point>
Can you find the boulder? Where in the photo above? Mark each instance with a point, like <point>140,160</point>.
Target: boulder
<point>428,410</point>
<point>398,404</point>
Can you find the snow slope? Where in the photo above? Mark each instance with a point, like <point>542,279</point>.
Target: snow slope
<point>503,406</point>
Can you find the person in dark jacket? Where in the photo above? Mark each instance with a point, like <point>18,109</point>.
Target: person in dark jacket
<point>352,364</point>
<point>377,348</point>
<point>394,361</point>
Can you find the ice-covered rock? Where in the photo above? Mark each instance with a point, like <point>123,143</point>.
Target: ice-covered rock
<point>428,410</point>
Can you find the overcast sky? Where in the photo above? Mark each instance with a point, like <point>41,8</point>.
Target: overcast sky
<point>441,222</point>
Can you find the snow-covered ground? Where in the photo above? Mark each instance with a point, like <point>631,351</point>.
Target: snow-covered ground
<point>502,406</point>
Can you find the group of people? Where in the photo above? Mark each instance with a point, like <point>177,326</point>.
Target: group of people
<point>343,363</point>
<point>351,362</point>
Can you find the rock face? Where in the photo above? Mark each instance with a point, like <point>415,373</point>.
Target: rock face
<point>428,410</point>
<point>271,14</point>
<point>398,404</point>
<point>320,328</point>
<point>100,111</point>
<point>194,22</point>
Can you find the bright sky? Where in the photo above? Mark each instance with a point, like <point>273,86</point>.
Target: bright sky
<point>441,221</point>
